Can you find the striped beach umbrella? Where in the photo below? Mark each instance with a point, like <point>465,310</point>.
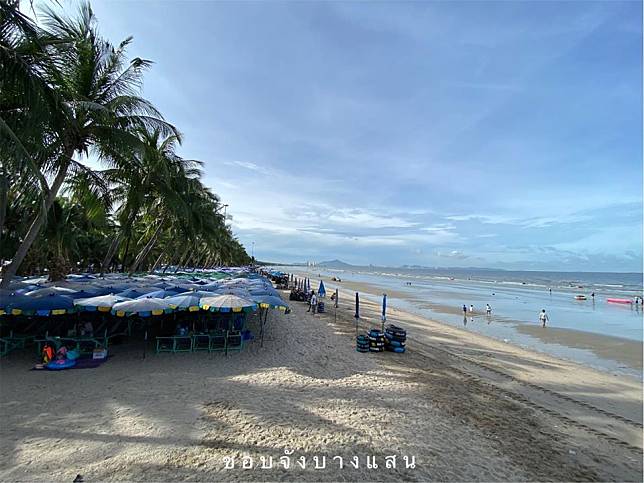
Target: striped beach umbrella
<point>102,303</point>
<point>227,303</point>
<point>142,307</point>
<point>186,301</point>
<point>269,301</point>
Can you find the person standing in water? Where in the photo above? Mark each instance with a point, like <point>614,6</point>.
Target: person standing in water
<point>464,310</point>
<point>471,308</point>
<point>543,317</point>
<point>488,309</point>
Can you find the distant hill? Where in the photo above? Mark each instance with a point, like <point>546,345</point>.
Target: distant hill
<point>334,264</point>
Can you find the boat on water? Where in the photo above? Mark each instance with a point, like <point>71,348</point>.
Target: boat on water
<point>619,301</point>
<point>580,297</point>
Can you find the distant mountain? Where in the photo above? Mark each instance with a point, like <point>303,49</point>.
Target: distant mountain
<point>334,264</point>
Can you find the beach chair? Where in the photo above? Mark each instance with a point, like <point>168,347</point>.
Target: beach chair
<point>234,341</point>
<point>165,344</point>
<point>217,341</point>
<point>183,343</point>
<point>201,342</point>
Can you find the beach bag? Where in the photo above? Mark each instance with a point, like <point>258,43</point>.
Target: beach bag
<point>47,354</point>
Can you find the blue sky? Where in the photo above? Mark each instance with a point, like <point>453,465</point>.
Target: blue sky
<point>485,134</point>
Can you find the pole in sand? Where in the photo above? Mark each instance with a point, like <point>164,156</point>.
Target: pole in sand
<point>383,317</point>
<point>336,306</point>
<point>357,314</point>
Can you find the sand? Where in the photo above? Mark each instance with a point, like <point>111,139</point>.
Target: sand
<point>177,416</point>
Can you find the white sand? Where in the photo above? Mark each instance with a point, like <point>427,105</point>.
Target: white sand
<point>176,416</point>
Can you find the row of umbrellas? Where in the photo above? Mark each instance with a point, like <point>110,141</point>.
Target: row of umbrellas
<point>143,296</point>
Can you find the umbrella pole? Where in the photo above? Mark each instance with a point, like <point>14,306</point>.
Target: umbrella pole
<point>261,328</point>
<point>145,339</point>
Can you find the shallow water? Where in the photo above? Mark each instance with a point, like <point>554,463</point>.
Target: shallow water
<point>516,299</point>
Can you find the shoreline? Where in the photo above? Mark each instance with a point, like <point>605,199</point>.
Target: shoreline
<point>619,355</point>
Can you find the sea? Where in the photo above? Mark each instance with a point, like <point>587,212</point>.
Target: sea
<point>516,298</point>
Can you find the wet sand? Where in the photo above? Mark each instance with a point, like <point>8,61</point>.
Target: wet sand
<point>626,352</point>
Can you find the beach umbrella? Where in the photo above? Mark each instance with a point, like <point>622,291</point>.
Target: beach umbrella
<point>51,291</point>
<point>227,303</point>
<point>87,292</point>
<point>102,303</point>
<point>53,304</point>
<point>321,290</point>
<point>141,307</point>
<point>186,301</point>
<point>264,291</point>
<point>8,298</point>
<point>269,301</point>
<point>161,294</point>
<point>357,315</point>
<point>133,293</point>
<point>384,311</point>
<point>84,277</point>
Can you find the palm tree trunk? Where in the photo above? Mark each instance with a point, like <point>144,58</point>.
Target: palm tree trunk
<point>146,249</point>
<point>182,259</point>
<point>156,264</point>
<point>4,195</point>
<point>110,253</point>
<point>36,225</point>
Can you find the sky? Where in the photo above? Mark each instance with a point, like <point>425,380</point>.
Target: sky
<point>452,134</point>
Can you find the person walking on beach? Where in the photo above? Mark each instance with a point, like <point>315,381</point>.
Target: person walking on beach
<point>543,317</point>
<point>310,297</point>
<point>464,310</point>
<point>314,303</point>
<point>488,309</point>
<point>471,308</point>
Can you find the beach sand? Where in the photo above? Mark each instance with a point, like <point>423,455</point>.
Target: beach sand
<point>176,416</point>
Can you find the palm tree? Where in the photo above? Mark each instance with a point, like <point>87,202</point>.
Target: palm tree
<point>89,91</point>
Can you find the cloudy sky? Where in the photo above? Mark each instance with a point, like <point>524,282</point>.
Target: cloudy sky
<point>481,134</point>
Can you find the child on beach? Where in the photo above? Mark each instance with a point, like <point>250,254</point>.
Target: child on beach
<point>543,317</point>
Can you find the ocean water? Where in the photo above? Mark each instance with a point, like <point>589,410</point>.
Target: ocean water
<point>516,299</point>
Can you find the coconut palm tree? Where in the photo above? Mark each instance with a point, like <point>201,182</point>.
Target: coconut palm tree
<point>89,91</point>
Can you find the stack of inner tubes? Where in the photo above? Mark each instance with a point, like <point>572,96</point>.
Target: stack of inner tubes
<point>376,341</point>
<point>362,343</point>
<point>395,338</point>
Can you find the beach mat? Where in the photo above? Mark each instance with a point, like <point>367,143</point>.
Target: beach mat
<point>80,364</point>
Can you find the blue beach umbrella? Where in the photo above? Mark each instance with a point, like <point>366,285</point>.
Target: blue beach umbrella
<point>45,305</point>
<point>269,301</point>
<point>40,292</point>
<point>133,293</point>
<point>321,290</point>
<point>357,315</point>
<point>383,317</point>
<point>161,294</point>
<point>384,307</point>
<point>7,299</point>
